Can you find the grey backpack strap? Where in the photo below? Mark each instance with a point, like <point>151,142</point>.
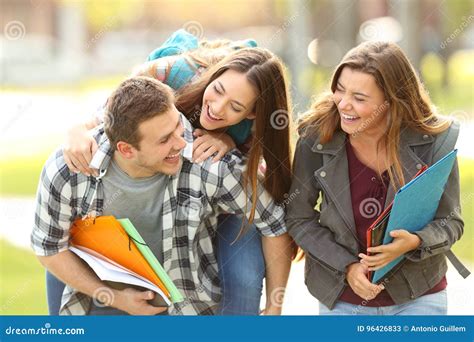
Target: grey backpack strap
<point>446,142</point>
<point>443,146</point>
<point>458,265</point>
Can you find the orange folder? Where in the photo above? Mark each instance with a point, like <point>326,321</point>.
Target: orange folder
<point>106,236</point>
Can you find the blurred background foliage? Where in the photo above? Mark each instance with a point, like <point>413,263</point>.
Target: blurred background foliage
<point>60,59</point>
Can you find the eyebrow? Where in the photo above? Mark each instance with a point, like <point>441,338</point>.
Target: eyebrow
<point>237,102</point>
<point>356,93</point>
<point>168,135</point>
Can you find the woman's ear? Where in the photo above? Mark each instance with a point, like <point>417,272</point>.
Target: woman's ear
<point>251,115</point>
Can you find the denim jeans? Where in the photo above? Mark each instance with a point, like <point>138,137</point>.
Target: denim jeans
<point>54,292</point>
<point>431,304</point>
<point>241,267</point>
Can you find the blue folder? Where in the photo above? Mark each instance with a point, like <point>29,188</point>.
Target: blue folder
<point>415,204</point>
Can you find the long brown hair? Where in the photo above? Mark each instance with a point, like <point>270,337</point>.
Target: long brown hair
<point>409,105</point>
<point>271,139</point>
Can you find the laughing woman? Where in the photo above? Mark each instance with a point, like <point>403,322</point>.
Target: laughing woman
<point>236,96</point>
<point>358,144</point>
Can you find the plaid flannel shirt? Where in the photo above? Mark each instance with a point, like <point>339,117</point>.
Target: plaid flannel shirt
<point>193,199</point>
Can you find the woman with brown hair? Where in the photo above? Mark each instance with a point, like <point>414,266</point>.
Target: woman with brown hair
<point>358,145</point>
<point>235,97</point>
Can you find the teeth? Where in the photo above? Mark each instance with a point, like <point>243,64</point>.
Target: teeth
<point>210,114</point>
<point>349,117</point>
<point>172,156</point>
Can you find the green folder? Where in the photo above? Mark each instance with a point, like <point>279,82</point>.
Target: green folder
<point>150,257</point>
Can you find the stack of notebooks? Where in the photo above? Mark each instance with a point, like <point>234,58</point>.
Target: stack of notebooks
<point>119,256</point>
<point>413,207</point>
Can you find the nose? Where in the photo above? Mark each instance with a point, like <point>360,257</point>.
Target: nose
<point>179,143</point>
<point>217,107</point>
<point>344,103</point>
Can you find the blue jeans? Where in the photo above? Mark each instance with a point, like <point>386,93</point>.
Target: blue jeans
<point>431,304</point>
<point>241,270</point>
<point>54,292</point>
<point>241,267</point>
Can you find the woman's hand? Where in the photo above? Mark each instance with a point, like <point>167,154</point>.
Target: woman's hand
<point>207,143</point>
<point>357,278</point>
<point>79,148</point>
<point>403,242</point>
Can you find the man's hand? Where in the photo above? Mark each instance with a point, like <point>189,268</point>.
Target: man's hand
<point>357,278</point>
<point>71,270</point>
<point>403,242</point>
<point>135,302</point>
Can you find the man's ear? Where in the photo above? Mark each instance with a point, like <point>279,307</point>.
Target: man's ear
<point>126,150</point>
<point>251,116</point>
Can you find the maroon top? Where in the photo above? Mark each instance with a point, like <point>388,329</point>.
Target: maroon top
<point>368,194</point>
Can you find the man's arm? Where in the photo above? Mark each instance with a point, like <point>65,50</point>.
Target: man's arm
<point>70,269</point>
<point>50,238</point>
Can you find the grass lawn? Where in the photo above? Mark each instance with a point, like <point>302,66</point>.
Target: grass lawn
<point>464,248</point>
<point>22,282</point>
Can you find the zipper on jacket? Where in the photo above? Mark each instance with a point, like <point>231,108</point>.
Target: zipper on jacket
<point>429,249</point>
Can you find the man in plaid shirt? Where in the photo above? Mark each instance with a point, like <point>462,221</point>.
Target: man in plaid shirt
<point>159,141</point>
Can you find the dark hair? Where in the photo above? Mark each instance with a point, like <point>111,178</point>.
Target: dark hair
<point>271,139</point>
<point>136,100</point>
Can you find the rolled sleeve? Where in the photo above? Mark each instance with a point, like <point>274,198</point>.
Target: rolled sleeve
<point>54,214</point>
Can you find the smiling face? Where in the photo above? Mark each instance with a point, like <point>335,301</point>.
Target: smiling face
<point>227,100</point>
<point>361,103</point>
<point>160,146</point>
